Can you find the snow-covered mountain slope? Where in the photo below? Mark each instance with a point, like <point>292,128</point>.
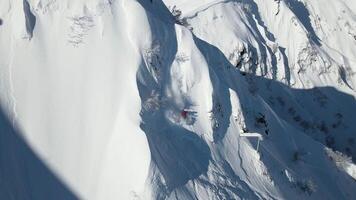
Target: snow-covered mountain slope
<point>71,89</point>
<point>204,99</point>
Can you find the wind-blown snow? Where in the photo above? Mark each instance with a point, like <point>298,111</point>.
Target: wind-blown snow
<point>121,99</point>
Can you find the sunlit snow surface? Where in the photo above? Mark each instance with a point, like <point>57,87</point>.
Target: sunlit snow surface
<point>119,99</point>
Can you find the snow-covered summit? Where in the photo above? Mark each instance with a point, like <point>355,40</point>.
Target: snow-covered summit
<point>177,99</point>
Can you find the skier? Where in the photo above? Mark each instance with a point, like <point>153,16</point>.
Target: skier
<point>184,114</point>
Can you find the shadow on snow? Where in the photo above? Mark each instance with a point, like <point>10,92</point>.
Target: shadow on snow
<point>22,174</point>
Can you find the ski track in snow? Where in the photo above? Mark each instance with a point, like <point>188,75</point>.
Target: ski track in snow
<point>12,92</point>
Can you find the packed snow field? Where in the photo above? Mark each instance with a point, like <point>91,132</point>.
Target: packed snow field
<point>177,99</point>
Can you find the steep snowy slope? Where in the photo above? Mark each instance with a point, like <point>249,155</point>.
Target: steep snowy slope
<point>70,84</point>
<point>299,44</point>
<point>204,99</point>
